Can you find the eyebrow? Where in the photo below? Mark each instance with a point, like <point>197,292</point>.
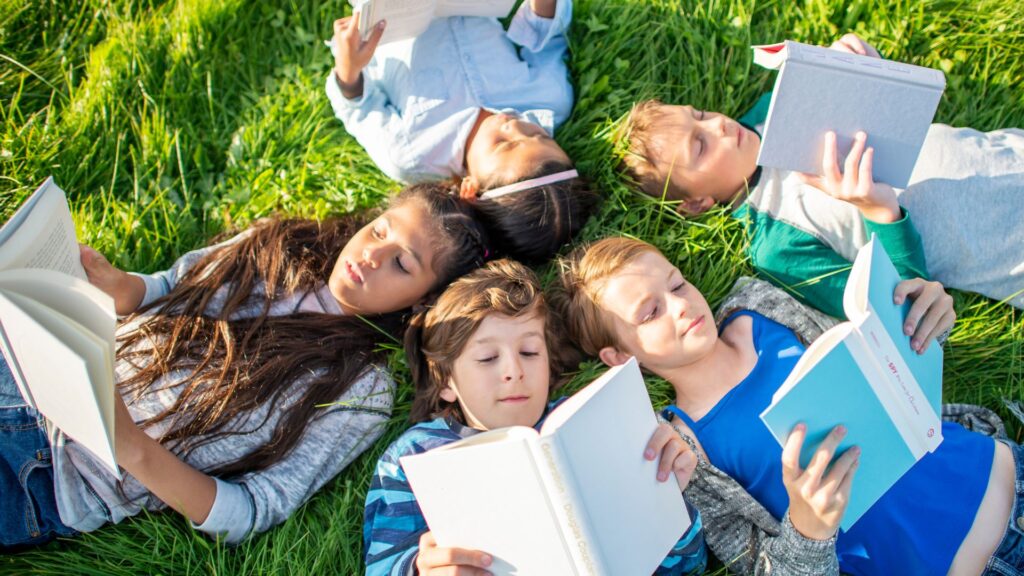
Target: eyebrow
<point>643,303</point>
<point>490,339</point>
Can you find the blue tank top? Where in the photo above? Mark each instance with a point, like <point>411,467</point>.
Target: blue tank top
<point>915,528</point>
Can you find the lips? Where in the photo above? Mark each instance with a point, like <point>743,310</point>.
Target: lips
<point>695,325</point>
<point>514,399</point>
<point>354,273</point>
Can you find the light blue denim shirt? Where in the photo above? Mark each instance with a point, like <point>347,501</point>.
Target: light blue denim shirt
<point>421,96</point>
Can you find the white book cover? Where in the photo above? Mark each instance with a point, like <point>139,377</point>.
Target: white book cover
<point>409,18</point>
<point>819,89</point>
<point>575,498</point>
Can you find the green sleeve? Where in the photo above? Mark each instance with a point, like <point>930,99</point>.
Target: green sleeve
<point>809,269</point>
<point>759,113</point>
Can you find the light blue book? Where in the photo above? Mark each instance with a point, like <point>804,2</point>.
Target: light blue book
<point>863,374</point>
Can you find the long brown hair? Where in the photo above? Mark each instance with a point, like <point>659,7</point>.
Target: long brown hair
<point>236,364</point>
<point>436,337</point>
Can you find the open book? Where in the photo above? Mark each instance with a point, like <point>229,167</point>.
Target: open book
<point>57,329</point>
<point>575,498</point>
<point>409,18</point>
<point>864,374</point>
<point>819,89</point>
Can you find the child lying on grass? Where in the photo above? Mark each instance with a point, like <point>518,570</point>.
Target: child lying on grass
<point>484,357</point>
<point>955,511</point>
<point>965,196</point>
<point>468,100</point>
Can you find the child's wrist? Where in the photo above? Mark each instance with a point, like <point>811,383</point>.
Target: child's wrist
<point>351,85</point>
<point>881,213</point>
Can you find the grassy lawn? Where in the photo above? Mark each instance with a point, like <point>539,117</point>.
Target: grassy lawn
<point>168,121</point>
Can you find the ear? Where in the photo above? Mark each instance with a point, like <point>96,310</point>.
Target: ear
<point>448,395</point>
<point>694,206</point>
<point>612,357</point>
<point>469,188</point>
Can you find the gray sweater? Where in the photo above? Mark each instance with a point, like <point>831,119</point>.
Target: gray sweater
<point>88,496</point>
<point>738,529</point>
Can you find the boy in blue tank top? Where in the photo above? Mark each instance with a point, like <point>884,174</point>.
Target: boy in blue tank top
<point>949,514</point>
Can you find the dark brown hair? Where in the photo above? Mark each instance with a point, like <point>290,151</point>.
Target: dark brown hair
<point>533,224</point>
<point>236,364</point>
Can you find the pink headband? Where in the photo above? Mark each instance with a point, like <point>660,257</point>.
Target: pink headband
<point>531,183</point>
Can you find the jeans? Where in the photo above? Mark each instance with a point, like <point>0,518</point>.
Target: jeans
<point>28,507</point>
<point>1009,556</point>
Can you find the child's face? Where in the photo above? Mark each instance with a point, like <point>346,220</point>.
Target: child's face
<point>388,264</point>
<point>506,147</point>
<point>705,153</point>
<point>502,376</point>
<point>657,315</point>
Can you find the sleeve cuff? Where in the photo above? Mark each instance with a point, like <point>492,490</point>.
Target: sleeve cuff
<point>533,32</point>
<point>900,238</point>
<point>231,516</point>
<point>156,286</point>
<point>811,552</point>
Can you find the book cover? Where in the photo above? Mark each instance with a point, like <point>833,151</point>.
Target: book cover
<point>575,498</point>
<point>872,382</point>
<point>409,18</point>
<point>819,89</point>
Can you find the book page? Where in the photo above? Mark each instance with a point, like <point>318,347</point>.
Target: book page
<point>42,235</point>
<point>487,496</point>
<point>405,18</point>
<point>69,370</point>
<point>634,519</point>
<point>485,8</point>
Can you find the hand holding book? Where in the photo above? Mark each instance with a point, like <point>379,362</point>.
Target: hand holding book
<point>818,495</point>
<point>352,53</point>
<point>855,184</point>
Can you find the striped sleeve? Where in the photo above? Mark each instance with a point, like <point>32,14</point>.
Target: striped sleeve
<point>393,522</point>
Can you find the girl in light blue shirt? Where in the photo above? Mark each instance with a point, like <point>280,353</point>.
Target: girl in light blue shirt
<point>471,101</point>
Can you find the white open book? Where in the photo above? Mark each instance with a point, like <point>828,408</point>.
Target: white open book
<point>864,374</point>
<point>409,18</point>
<point>819,89</point>
<point>575,498</point>
<point>57,329</point>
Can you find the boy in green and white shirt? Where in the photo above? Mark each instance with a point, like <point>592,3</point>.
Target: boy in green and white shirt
<point>804,231</point>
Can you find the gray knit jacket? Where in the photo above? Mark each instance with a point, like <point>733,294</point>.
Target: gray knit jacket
<point>739,530</point>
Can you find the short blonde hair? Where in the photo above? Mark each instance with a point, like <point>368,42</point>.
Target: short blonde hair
<point>643,132</point>
<point>436,337</point>
<point>584,275</point>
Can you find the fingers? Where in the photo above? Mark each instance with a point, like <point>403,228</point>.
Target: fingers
<point>830,162</point>
<point>852,164</point>
<point>823,455</point>
<point>661,443</point>
<point>437,560</point>
<point>841,468</point>
<point>931,313</point>
<point>791,453</point>
<point>683,468</point>
<point>672,450</point>
<point>375,36</point>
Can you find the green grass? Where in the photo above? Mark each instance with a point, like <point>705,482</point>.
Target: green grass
<point>169,121</point>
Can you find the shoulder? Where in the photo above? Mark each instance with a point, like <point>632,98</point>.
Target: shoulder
<point>421,438</point>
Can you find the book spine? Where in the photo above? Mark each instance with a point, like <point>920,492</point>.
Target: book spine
<point>896,387</point>
<point>866,65</point>
<point>563,497</point>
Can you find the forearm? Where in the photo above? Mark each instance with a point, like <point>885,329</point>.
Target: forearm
<point>180,486</point>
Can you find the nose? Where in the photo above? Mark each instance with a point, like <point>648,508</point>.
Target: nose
<point>512,370</point>
<point>678,306</point>
<point>373,255</point>
<point>720,124</point>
